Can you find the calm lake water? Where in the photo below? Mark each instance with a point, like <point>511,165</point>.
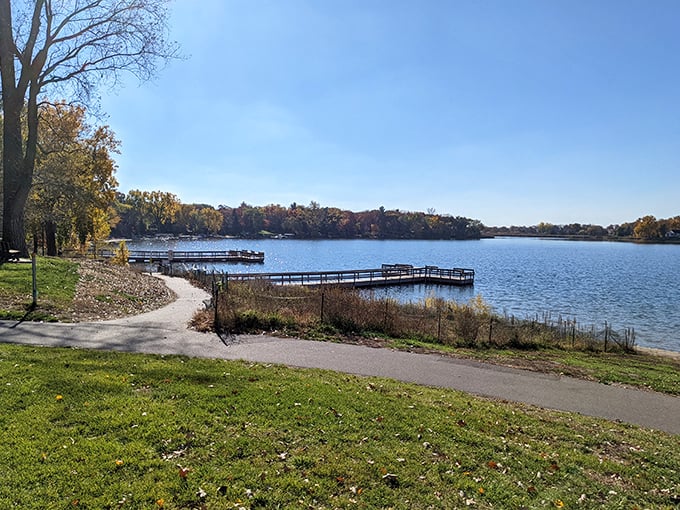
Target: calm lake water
<point>625,284</point>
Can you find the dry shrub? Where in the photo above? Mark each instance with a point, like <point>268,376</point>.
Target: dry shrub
<point>349,312</point>
<point>466,319</point>
<point>260,305</point>
<point>419,321</point>
<point>203,321</point>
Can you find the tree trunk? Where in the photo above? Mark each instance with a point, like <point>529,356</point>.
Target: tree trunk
<point>51,238</point>
<point>13,231</point>
<point>15,185</point>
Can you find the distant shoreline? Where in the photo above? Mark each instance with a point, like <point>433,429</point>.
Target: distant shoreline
<point>585,238</point>
<point>556,237</point>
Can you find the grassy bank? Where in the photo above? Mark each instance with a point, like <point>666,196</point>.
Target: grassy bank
<point>103,430</point>
<point>56,282</point>
<point>463,330</point>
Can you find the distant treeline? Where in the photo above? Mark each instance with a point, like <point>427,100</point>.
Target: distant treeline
<point>647,228</point>
<point>142,213</point>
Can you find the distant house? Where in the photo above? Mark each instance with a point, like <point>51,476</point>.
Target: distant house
<point>673,234</point>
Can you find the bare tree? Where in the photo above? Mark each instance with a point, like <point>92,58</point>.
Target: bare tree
<point>70,46</point>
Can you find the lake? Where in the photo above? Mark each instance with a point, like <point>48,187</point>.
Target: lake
<point>625,284</point>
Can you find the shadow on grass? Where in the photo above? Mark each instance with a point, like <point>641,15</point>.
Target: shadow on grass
<point>29,310</point>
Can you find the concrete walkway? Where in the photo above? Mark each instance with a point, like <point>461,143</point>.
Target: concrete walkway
<point>165,331</point>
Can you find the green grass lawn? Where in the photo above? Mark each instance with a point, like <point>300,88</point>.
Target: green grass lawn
<point>56,283</point>
<point>89,429</point>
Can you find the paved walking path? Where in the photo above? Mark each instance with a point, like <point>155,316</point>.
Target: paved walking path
<point>164,331</point>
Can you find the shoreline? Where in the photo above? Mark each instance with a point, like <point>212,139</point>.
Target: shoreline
<point>659,352</point>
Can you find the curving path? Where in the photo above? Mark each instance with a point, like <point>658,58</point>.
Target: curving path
<point>164,331</point>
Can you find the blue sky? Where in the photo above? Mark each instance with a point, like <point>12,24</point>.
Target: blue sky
<point>506,111</point>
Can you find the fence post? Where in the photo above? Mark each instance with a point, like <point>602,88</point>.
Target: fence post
<point>323,299</point>
<point>606,333</point>
<point>217,291</point>
<point>490,329</point>
<point>216,296</point>
<point>387,302</point>
<point>439,326</point>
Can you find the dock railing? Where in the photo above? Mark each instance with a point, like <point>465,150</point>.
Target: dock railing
<point>387,275</point>
<point>190,256</point>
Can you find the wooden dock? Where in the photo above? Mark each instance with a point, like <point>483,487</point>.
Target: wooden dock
<point>388,274</point>
<point>172,256</point>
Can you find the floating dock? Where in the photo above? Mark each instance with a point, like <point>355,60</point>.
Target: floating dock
<point>388,274</point>
<point>171,256</point>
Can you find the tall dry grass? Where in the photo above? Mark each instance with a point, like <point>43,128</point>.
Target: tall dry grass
<point>260,306</point>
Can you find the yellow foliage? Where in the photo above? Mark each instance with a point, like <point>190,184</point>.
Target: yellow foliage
<point>476,306</point>
<point>479,306</point>
<point>121,255</point>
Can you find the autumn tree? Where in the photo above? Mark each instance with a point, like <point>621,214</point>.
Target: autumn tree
<point>251,218</point>
<point>275,215</point>
<point>198,219</point>
<point>74,184</point>
<point>672,224</point>
<point>155,210</point>
<point>207,220</point>
<point>646,228</point>
<point>70,46</point>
